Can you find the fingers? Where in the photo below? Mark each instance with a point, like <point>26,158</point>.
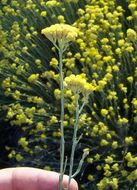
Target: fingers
<point>73,185</point>
<point>25,178</point>
<point>52,184</point>
<point>31,179</point>
<point>5,179</point>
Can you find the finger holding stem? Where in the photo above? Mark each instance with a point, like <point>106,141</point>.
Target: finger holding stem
<point>60,35</point>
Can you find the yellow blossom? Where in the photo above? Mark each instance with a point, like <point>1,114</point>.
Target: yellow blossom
<point>104,142</point>
<point>90,160</point>
<point>61,19</point>
<point>115,167</point>
<point>114,183</point>
<point>54,62</point>
<point>33,78</point>
<point>40,126</point>
<point>42,136</point>
<point>132,6</point>
<point>104,112</point>
<point>131,34</point>
<point>86,151</point>
<point>122,120</point>
<point>78,84</point>
<point>60,33</point>
<point>75,83</point>
<point>43,13</point>
<point>109,160</point>
<point>90,177</point>
<point>134,102</point>
<point>114,144</point>
<point>23,142</point>
<point>53,120</point>
<point>18,157</point>
<point>57,94</point>
<point>130,79</point>
<point>98,167</point>
<point>97,156</point>
<point>129,140</point>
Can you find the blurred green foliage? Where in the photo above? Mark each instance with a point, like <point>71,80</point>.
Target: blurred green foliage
<point>105,53</point>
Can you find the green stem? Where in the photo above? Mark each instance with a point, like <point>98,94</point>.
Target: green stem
<point>80,165</point>
<point>74,142</point>
<point>62,148</point>
<point>80,110</point>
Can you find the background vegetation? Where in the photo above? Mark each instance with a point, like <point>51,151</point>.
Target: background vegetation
<point>105,53</point>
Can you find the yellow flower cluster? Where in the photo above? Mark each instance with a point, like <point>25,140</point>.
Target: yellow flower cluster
<point>35,100</point>
<point>132,176</point>
<point>52,3</point>
<point>78,85</point>
<point>60,34</point>
<point>131,34</point>
<point>23,142</point>
<point>106,183</point>
<point>33,78</point>
<point>53,120</point>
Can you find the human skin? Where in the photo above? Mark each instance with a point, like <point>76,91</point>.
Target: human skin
<point>25,178</point>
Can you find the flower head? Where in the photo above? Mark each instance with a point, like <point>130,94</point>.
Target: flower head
<point>60,34</point>
<point>78,84</point>
<point>131,34</point>
<point>75,83</point>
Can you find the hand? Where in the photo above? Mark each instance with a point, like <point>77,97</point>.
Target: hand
<point>25,178</point>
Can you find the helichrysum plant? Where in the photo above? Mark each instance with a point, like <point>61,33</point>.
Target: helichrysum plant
<point>60,35</point>
<point>104,54</point>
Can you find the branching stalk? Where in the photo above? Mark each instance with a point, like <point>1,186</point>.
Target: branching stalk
<point>80,165</point>
<point>74,141</point>
<point>62,146</point>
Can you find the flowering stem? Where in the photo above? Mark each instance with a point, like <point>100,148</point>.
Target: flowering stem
<point>61,122</point>
<point>80,165</point>
<point>80,110</point>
